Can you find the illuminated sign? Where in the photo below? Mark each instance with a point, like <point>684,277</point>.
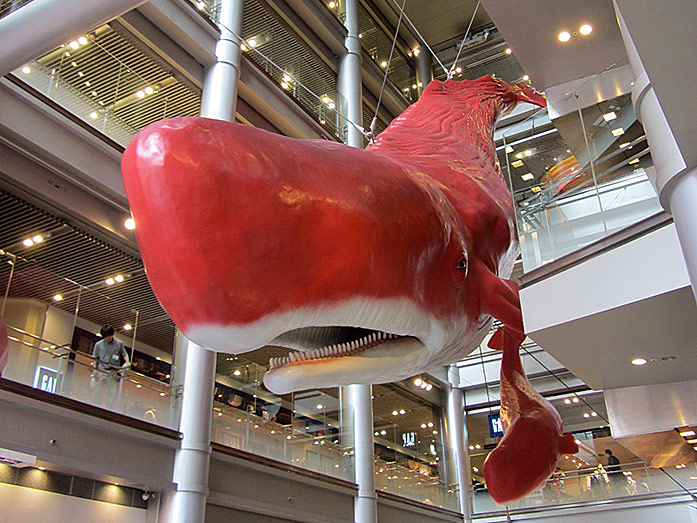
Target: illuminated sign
<point>408,439</point>
<point>495,426</point>
<point>46,379</point>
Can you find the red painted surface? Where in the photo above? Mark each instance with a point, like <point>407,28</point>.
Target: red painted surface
<point>4,349</point>
<point>534,438</point>
<point>235,223</point>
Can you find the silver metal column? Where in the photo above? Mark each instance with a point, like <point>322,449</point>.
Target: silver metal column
<point>675,181</point>
<point>424,69</point>
<point>42,25</point>
<point>358,397</point>
<point>219,96</point>
<point>193,458</point>
<point>457,443</point>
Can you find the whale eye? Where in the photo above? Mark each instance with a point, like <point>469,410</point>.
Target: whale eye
<point>462,265</point>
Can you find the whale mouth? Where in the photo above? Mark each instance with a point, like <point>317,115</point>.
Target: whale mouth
<point>315,344</point>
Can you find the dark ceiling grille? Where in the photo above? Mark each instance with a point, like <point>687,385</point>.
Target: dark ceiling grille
<point>69,259</point>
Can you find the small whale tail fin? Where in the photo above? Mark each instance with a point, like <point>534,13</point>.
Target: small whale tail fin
<point>567,444</point>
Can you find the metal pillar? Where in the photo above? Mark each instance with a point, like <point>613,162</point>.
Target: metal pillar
<point>219,96</point>
<point>193,458</point>
<point>358,397</point>
<point>675,180</point>
<point>359,400</point>
<point>457,445</point>
<point>424,69</point>
<point>42,25</point>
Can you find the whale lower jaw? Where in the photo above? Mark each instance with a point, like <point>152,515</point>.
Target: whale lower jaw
<point>397,341</point>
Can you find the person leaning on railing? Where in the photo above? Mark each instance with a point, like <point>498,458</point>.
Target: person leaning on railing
<point>107,354</point>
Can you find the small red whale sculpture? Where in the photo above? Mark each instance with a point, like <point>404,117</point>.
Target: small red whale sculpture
<point>533,439</point>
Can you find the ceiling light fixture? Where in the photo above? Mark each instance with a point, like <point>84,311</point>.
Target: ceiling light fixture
<point>58,297</point>
<point>564,36</point>
<point>526,78</point>
<point>508,50</point>
<point>585,29</point>
<point>130,224</point>
<point>634,161</point>
<point>687,433</point>
<point>638,362</point>
<point>383,64</point>
<point>26,69</point>
<point>418,382</point>
<point>509,149</point>
<point>458,69</point>
<point>127,327</point>
<point>94,115</point>
<point>417,52</point>
<point>118,278</point>
<point>609,116</point>
<point>617,132</point>
<point>537,188</point>
<point>527,177</point>
<point>110,281</point>
<point>82,40</point>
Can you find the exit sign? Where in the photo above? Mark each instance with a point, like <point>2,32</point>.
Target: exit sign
<point>46,379</point>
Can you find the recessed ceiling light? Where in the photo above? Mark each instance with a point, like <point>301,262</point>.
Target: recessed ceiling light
<point>118,278</point>
<point>526,78</point>
<point>82,40</point>
<point>638,361</point>
<point>564,36</point>
<point>458,69</point>
<point>383,64</point>
<point>130,224</point>
<point>527,177</point>
<point>625,144</point>
<point>536,188</point>
<point>508,50</point>
<point>575,400</point>
<point>127,327</point>
<point>94,115</point>
<point>149,90</point>
<point>509,149</point>
<point>692,441</point>
<point>58,297</point>
<point>585,29</point>
<point>109,281</point>
<point>632,162</point>
<point>517,163</point>
<point>687,433</point>
<point>528,152</point>
<point>609,116</point>
<point>617,132</point>
<point>26,69</point>
<point>28,242</point>
<point>416,52</point>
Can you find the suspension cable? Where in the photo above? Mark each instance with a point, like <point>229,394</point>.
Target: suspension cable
<point>423,40</point>
<point>462,44</point>
<point>373,123</point>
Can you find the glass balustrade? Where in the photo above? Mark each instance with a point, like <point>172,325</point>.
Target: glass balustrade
<point>580,176</point>
<point>590,485</point>
<point>107,81</point>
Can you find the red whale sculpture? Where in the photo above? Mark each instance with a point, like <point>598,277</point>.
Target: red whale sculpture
<point>373,265</point>
<point>533,439</point>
